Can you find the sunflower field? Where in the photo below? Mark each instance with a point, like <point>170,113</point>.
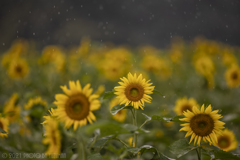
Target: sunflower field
<point>99,101</point>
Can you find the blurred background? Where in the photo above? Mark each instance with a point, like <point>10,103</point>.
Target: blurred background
<point>132,22</point>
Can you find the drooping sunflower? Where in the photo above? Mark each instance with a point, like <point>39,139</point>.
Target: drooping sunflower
<point>232,76</point>
<point>76,105</point>
<point>11,108</point>
<point>53,115</point>
<point>18,68</point>
<point>4,125</point>
<point>52,138</point>
<point>35,101</point>
<point>227,140</point>
<point>134,90</point>
<point>184,104</point>
<point>120,116</point>
<point>202,124</point>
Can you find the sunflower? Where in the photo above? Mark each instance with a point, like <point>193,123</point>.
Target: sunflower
<point>202,124</point>
<point>134,90</point>
<point>120,116</point>
<point>227,140</point>
<point>52,138</point>
<point>184,104</point>
<point>11,109</point>
<point>204,64</point>
<point>4,125</point>
<point>232,76</point>
<point>18,68</point>
<point>75,108</point>
<point>35,101</point>
<point>53,115</point>
<point>100,90</point>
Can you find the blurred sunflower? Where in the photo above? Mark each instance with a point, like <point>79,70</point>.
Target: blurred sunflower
<point>120,116</point>
<point>228,58</point>
<point>53,115</point>
<point>151,63</point>
<point>232,76</point>
<point>227,140</point>
<point>112,70</point>
<point>55,56</point>
<point>202,124</point>
<point>75,108</point>
<point>184,104</point>
<point>35,101</point>
<point>205,66</point>
<point>52,138</point>
<point>84,47</point>
<point>131,142</point>
<point>134,90</point>
<point>11,109</point>
<point>100,90</point>
<point>18,68</point>
<point>4,125</point>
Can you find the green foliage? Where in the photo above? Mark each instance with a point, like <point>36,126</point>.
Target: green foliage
<point>148,148</point>
<point>222,155</point>
<point>118,108</point>
<point>108,94</point>
<point>2,131</point>
<point>181,147</point>
<point>157,92</point>
<point>162,119</point>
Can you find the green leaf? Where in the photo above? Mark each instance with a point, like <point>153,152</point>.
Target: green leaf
<point>159,118</point>
<point>208,148</point>
<point>222,155</point>
<point>181,147</point>
<point>118,108</point>
<point>157,92</point>
<point>108,94</point>
<point>107,128</point>
<point>96,156</point>
<point>102,141</point>
<point>176,119</point>
<point>2,131</point>
<point>148,148</point>
<point>148,118</point>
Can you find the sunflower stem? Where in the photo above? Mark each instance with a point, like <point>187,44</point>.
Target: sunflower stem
<point>122,142</point>
<point>135,123</point>
<point>199,153</point>
<point>81,150</point>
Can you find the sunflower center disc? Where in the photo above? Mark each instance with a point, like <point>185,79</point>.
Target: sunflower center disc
<point>1,125</point>
<point>134,92</point>
<point>77,107</point>
<point>186,107</point>
<point>234,76</point>
<point>202,124</point>
<point>223,142</point>
<point>18,69</point>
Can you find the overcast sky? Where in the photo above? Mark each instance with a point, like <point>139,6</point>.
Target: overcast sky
<point>133,22</point>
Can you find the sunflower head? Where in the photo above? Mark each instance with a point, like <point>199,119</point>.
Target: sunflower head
<point>120,116</point>
<point>4,125</point>
<point>202,124</point>
<point>76,105</point>
<point>227,140</point>
<point>18,68</point>
<point>35,102</point>
<point>52,138</point>
<point>134,90</point>
<point>232,76</point>
<point>184,104</point>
